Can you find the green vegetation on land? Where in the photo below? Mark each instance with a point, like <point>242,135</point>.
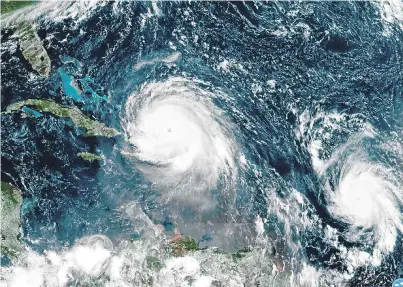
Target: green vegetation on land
<point>241,253</point>
<point>181,245</point>
<point>187,243</point>
<point>33,50</point>
<point>10,6</point>
<point>11,201</point>
<point>154,263</point>
<point>94,128</point>
<point>89,156</point>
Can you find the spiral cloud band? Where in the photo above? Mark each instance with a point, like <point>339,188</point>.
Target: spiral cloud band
<point>180,139</point>
<point>367,197</point>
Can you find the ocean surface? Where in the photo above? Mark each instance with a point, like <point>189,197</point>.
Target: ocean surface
<point>272,127</point>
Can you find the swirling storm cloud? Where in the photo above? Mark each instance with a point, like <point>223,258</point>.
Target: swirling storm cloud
<point>202,143</point>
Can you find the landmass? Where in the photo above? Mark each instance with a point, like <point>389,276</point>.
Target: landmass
<point>11,201</point>
<point>10,6</point>
<point>90,156</point>
<point>30,44</point>
<point>182,244</point>
<point>93,128</point>
<point>33,50</point>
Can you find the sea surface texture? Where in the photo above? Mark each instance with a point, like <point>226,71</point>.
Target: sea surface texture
<point>202,144</point>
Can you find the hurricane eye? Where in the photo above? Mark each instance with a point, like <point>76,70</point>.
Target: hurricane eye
<point>193,151</point>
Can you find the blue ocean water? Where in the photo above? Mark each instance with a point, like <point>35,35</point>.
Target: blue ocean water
<point>307,90</point>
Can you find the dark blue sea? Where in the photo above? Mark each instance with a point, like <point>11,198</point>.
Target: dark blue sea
<point>272,127</point>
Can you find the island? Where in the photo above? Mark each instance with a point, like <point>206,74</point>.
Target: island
<point>92,127</point>
<point>89,156</point>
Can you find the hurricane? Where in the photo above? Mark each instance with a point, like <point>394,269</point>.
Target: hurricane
<point>201,144</point>
<point>180,140</point>
<point>365,193</point>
